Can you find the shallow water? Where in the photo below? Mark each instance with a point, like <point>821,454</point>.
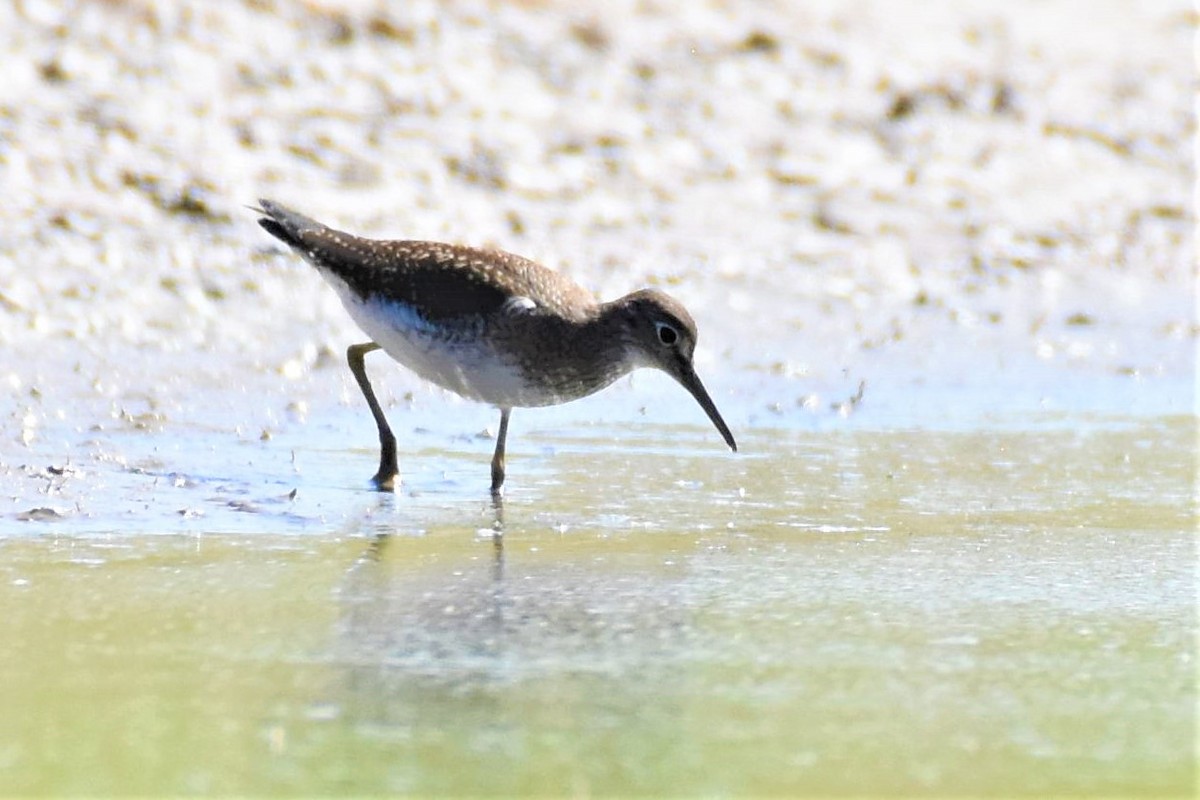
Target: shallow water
<point>838,611</point>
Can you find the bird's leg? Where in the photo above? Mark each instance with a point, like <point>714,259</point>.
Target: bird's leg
<point>498,458</point>
<point>385,478</point>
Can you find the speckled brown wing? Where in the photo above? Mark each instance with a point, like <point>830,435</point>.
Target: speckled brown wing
<point>442,281</point>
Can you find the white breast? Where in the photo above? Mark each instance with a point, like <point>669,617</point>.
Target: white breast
<point>457,359</point>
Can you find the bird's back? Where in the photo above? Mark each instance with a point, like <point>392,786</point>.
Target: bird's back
<point>441,282</point>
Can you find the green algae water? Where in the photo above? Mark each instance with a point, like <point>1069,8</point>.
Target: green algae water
<point>859,612</point>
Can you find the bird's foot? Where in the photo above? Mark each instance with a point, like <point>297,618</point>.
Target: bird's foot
<point>385,481</point>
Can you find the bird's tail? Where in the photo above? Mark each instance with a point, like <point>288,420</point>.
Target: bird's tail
<point>284,224</point>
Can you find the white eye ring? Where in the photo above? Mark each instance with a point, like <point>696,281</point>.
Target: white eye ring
<point>666,334</point>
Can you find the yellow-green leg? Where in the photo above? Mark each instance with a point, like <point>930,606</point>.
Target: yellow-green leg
<point>385,478</point>
<point>498,458</point>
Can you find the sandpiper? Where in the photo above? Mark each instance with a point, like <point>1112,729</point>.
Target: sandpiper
<point>489,325</point>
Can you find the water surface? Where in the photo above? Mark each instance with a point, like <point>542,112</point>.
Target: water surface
<point>836,612</point>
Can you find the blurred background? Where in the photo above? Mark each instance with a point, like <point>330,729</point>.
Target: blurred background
<point>974,210</point>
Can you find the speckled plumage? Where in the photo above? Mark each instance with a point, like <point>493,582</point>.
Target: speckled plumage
<point>490,325</point>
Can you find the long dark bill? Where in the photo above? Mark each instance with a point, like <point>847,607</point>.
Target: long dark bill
<point>691,381</point>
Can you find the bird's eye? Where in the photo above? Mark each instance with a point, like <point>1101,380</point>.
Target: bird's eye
<point>666,334</point>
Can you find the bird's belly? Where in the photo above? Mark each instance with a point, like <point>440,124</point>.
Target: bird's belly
<point>456,357</point>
